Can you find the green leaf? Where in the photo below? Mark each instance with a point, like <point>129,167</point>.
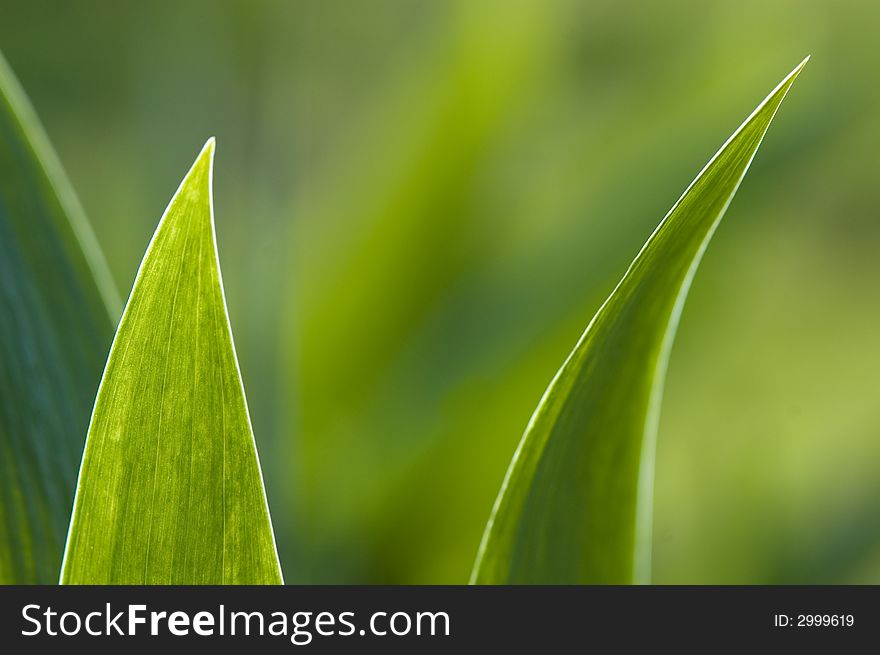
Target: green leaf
<point>170,490</point>
<point>54,331</point>
<point>576,504</point>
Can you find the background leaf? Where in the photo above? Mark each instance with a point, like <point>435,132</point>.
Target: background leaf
<point>576,505</point>
<point>56,302</point>
<point>170,490</point>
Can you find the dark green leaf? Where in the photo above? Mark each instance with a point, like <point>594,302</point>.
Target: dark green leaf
<point>54,331</point>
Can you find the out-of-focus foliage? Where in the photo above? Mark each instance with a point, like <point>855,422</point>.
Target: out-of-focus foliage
<point>56,299</point>
<point>445,190</point>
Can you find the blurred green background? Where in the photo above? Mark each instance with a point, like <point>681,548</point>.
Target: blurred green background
<point>421,204</point>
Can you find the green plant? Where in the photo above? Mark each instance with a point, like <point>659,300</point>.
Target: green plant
<point>576,504</point>
<point>57,307</point>
<point>170,489</point>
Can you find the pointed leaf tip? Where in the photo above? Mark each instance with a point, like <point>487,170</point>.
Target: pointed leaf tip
<point>209,147</point>
<point>800,66</point>
<point>205,158</point>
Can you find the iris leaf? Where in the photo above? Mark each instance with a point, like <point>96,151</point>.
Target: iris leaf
<point>57,307</point>
<point>170,489</point>
<point>576,504</point>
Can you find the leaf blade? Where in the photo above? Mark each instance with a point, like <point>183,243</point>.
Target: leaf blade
<point>575,505</point>
<point>170,488</point>
<point>57,303</point>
